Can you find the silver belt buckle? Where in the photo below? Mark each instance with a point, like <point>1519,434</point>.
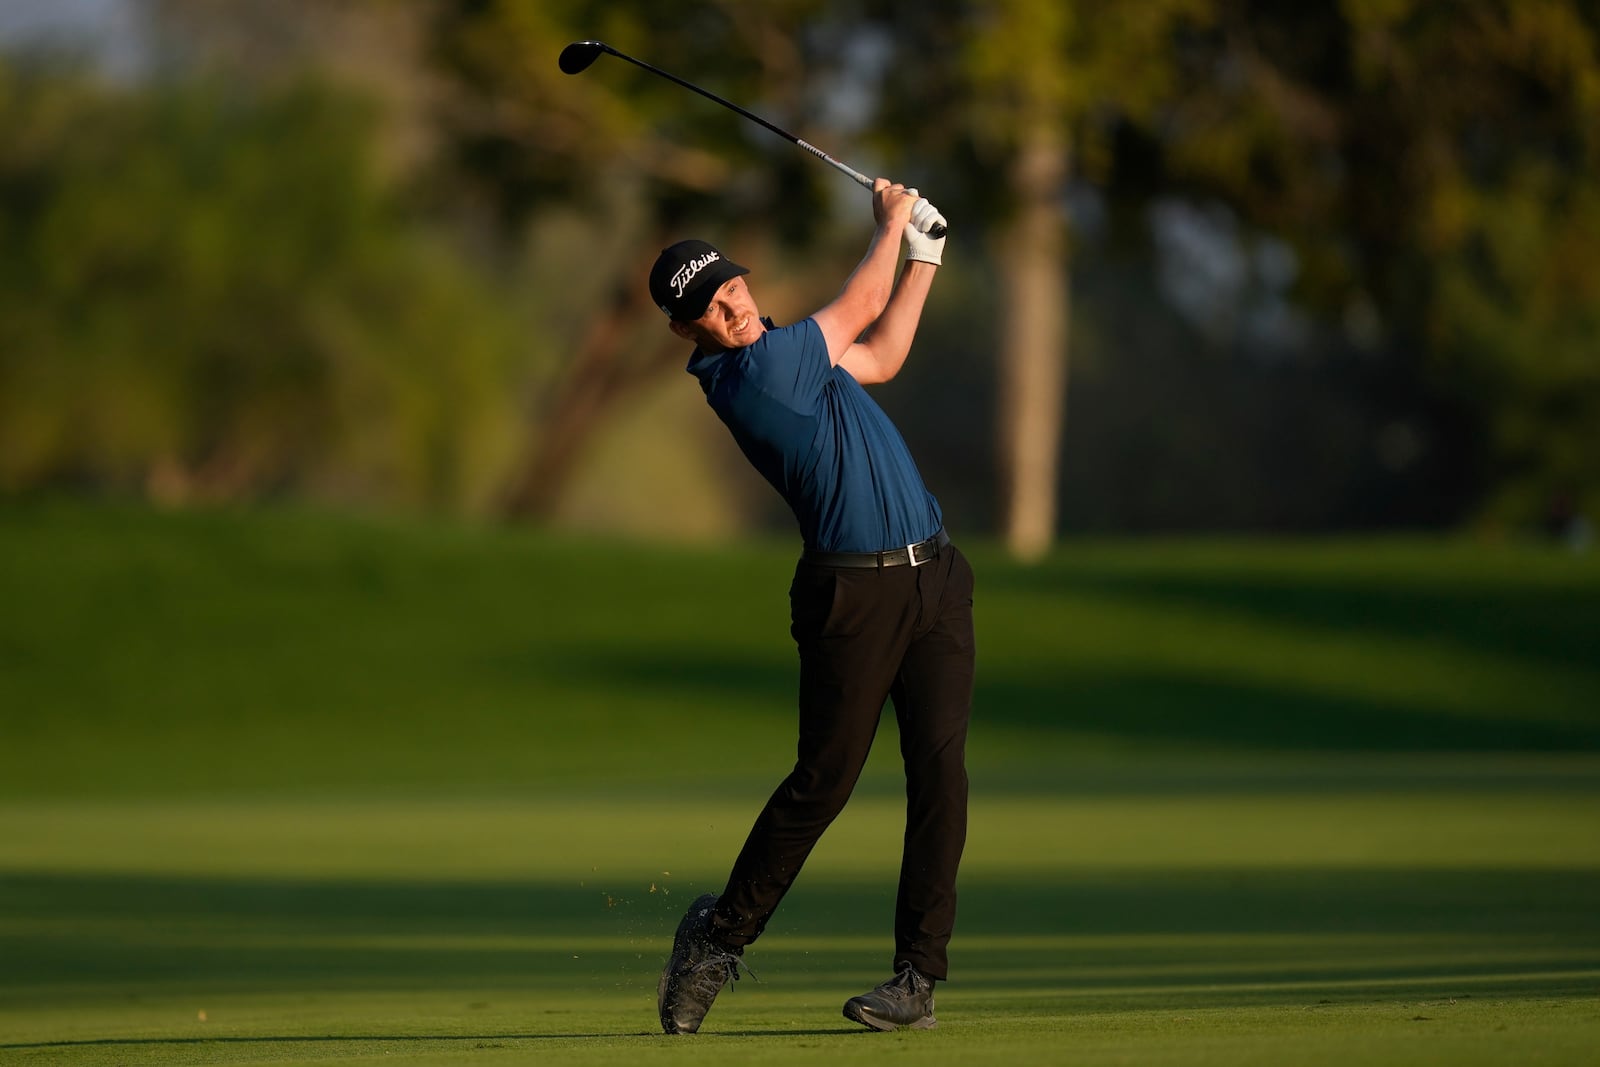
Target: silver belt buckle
<point>911,556</point>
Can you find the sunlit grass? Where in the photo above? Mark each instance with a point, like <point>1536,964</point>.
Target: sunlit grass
<point>1297,925</point>
<point>295,789</point>
<point>145,653</point>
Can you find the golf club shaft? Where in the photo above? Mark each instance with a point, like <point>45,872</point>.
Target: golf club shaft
<point>866,182</point>
<point>752,116</point>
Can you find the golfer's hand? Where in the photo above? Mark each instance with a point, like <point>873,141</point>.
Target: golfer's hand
<point>892,204</point>
<point>919,246</point>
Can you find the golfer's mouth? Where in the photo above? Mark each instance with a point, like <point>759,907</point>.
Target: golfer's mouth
<point>739,326</point>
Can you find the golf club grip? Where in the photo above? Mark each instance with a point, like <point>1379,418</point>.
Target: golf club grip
<point>937,230</point>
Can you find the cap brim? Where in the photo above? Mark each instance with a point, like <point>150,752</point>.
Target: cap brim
<point>696,300</point>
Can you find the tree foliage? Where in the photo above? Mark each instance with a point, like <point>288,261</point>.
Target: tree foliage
<point>313,274</point>
<point>1436,165</point>
<point>208,293</point>
<point>642,162</point>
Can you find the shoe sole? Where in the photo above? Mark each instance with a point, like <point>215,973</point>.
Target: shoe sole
<point>872,1022</point>
<point>669,1025</point>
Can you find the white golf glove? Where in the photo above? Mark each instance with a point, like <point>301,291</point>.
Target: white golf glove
<point>919,246</point>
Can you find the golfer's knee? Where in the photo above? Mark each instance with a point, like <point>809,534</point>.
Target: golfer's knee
<point>942,775</point>
<point>822,792</point>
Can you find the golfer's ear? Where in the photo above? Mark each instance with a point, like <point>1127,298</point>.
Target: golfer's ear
<point>682,329</point>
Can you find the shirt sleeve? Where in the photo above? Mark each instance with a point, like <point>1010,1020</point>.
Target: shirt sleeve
<point>791,364</point>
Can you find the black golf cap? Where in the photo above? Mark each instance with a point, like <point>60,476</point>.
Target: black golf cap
<point>686,275</point>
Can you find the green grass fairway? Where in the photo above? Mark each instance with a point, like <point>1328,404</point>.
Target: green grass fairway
<point>289,789</point>
<point>1452,927</point>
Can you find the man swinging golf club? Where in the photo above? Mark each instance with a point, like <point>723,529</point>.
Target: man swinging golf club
<point>880,605</point>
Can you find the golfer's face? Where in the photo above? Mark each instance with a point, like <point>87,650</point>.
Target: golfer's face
<point>731,319</point>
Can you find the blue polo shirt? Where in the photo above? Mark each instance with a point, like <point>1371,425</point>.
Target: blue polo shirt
<point>823,443</point>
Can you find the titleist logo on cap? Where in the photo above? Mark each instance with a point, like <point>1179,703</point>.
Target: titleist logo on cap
<point>685,274</point>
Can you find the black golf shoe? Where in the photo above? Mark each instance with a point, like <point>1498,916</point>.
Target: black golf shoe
<point>904,1000</point>
<point>696,972</point>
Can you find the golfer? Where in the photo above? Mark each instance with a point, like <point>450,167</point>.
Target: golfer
<point>880,606</point>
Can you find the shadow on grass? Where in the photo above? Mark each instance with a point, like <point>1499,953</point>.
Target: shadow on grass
<point>1216,929</point>
<point>181,1042</point>
<point>1542,624</point>
<point>478,1041</point>
<point>1175,708</point>
<point>1149,705</point>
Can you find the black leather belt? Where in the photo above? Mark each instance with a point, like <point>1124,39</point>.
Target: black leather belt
<point>915,555</point>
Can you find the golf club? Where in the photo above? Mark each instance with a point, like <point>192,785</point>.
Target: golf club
<point>577,57</point>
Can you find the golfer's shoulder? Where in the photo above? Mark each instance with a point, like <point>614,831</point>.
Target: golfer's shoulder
<point>781,345</point>
<point>797,334</point>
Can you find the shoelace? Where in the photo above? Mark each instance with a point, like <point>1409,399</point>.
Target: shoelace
<point>706,978</point>
<point>903,986</point>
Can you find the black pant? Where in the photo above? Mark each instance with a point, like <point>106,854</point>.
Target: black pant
<point>865,634</point>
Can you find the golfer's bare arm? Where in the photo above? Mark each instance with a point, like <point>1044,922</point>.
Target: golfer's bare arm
<point>870,290</point>
<point>882,350</point>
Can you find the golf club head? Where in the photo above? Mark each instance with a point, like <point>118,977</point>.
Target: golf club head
<point>576,57</point>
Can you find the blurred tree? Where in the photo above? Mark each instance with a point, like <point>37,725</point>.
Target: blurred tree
<point>1424,174</point>
<point>210,293</point>
<point>1047,78</point>
<point>1435,166</point>
<point>1432,167</point>
<point>372,48</point>
<point>647,163</point>
<point>1031,100</point>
